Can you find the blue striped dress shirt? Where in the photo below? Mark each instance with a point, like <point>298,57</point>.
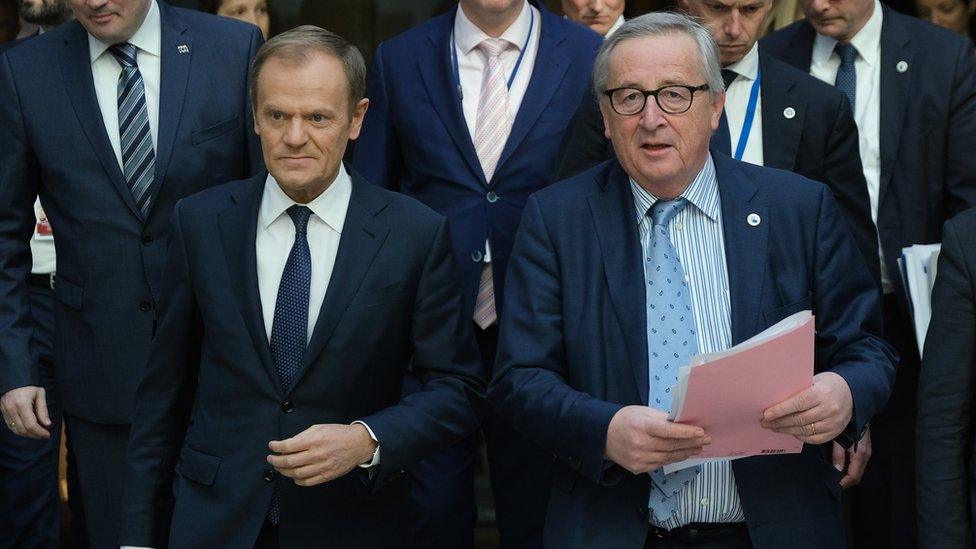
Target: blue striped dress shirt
<point>696,232</point>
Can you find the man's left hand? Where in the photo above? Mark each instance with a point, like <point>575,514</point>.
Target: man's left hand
<point>856,460</point>
<point>814,416</point>
<point>322,453</point>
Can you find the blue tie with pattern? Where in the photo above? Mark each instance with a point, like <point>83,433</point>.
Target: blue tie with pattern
<point>671,340</point>
<point>846,80</point>
<point>138,157</point>
<point>289,329</point>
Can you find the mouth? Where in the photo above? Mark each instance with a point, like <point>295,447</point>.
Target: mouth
<point>100,18</point>
<point>655,148</point>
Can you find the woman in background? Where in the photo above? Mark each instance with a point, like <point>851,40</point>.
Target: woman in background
<point>954,15</point>
<point>254,12</point>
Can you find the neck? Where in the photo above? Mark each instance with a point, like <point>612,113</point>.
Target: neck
<point>492,23</point>
<point>857,26</point>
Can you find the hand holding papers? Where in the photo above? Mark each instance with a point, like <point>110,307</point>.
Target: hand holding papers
<point>726,393</point>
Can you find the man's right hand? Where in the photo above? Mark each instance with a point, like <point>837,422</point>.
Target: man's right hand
<point>25,412</point>
<point>641,439</point>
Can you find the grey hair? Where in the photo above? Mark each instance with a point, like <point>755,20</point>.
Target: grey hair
<point>657,24</point>
<point>299,44</point>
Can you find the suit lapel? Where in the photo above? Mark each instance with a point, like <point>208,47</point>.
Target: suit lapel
<point>436,71</point>
<point>550,67</point>
<point>745,246</point>
<point>613,212</point>
<point>800,53</point>
<point>781,135</point>
<point>238,230</point>
<point>895,49</point>
<point>362,237</point>
<point>79,85</point>
<point>174,73</point>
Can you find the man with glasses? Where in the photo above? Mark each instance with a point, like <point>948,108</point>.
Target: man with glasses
<point>599,263</point>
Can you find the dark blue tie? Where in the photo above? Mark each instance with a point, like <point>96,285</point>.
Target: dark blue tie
<point>138,157</point>
<point>722,138</point>
<point>671,340</point>
<point>289,329</point>
<point>846,80</point>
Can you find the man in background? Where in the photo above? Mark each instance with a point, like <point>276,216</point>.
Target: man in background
<point>602,16</point>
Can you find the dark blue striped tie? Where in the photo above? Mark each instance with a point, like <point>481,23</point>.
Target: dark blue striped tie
<point>138,157</point>
<point>289,329</point>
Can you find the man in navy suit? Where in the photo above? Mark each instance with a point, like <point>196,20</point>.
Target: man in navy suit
<point>913,89</point>
<point>110,118</point>
<point>292,304</point>
<point>467,114</point>
<point>668,251</point>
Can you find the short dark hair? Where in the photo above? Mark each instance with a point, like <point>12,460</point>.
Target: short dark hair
<point>299,44</point>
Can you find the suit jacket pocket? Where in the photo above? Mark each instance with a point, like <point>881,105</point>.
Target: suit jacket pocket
<point>69,293</point>
<point>218,129</point>
<point>773,316</point>
<point>198,466</point>
<point>376,296</point>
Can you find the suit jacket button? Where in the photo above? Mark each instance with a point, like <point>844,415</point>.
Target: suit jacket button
<point>642,512</point>
<point>147,240</point>
<point>492,197</point>
<point>477,256</point>
<point>574,462</point>
<point>287,407</point>
<point>269,475</point>
<point>145,306</point>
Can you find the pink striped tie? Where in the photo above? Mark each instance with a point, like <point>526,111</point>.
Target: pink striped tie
<point>491,132</point>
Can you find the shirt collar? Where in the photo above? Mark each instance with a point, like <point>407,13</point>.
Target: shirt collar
<point>867,41</point>
<point>702,193</point>
<point>330,206</point>
<point>748,66</point>
<point>147,38</point>
<point>616,25</point>
<point>467,35</point>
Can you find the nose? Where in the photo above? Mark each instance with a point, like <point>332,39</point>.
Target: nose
<point>295,134</point>
<point>818,6</point>
<point>652,116</point>
<point>733,24</point>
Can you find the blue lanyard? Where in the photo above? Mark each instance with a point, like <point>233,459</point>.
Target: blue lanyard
<point>518,63</point>
<point>740,149</point>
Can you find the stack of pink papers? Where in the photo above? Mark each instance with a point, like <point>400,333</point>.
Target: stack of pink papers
<point>726,393</point>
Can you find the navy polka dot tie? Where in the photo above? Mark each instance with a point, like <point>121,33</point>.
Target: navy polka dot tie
<point>846,80</point>
<point>671,340</point>
<point>289,329</point>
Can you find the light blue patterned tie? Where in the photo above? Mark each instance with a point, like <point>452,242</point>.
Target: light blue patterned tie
<point>289,329</point>
<point>846,80</point>
<point>671,340</point>
<point>138,157</point>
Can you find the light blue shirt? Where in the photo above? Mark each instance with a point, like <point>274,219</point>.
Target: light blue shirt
<point>696,232</point>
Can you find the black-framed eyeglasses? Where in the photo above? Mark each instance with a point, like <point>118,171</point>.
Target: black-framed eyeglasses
<point>672,99</point>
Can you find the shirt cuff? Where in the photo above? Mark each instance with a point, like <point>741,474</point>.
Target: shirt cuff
<point>376,453</point>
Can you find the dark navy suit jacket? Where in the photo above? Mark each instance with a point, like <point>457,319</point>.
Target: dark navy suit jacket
<point>211,398</point>
<point>53,143</point>
<point>573,349</point>
<point>928,126</point>
<point>415,138</point>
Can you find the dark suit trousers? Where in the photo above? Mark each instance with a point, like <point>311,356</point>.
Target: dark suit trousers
<point>29,499</point>
<point>100,459</point>
<point>520,473</point>
<point>884,503</point>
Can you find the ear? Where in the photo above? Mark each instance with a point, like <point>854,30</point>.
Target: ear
<point>356,125</point>
<point>718,104</point>
<point>605,112</point>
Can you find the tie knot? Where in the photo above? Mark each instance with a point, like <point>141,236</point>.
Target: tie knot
<point>125,54</point>
<point>493,47</point>
<point>299,216</point>
<point>664,210</point>
<point>728,76</point>
<point>847,52</point>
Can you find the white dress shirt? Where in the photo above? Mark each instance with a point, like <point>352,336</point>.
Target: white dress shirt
<point>471,64</point>
<point>616,25</point>
<point>106,71</point>
<point>43,256</point>
<point>867,109</point>
<point>736,103</point>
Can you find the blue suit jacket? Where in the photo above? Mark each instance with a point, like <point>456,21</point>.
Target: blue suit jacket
<point>415,138</point>
<point>53,143</point>
<point>573,349</point>
<point>928,126</point>
<point>212,399</point>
